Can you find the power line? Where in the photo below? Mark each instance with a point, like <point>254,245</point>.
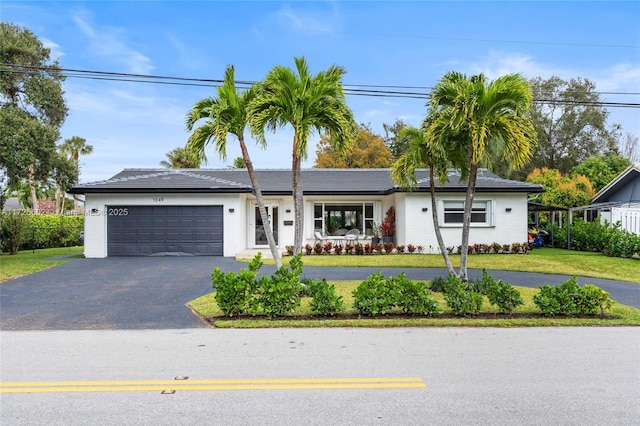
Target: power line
<point>409,92</point>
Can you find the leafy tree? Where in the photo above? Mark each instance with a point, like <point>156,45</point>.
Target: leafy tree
<point>238,163</point>
<point>420,154</point>
<point>368,151</point>
<point>570,124</point>
<point>228,114</point>
<point>474,119</point>
<point>393,138</point>
<point>601,170</point>
<point>32,107</point>
<point>562,190</point>
<point>182,158</point>
<point>305,102</point>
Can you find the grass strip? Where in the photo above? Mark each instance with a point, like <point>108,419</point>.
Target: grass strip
<point>30,261</point>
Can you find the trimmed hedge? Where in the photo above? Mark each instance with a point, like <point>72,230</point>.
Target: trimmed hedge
<point>609,239</point>
<point>21,231</point>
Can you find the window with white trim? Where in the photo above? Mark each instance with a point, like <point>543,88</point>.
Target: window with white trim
<point>481,212</point>
<point>335,219</point>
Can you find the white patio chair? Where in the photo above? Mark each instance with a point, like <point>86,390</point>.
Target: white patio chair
<point>352,235</point>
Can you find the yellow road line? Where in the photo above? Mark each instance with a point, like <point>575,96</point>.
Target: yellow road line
<point>200,385</point>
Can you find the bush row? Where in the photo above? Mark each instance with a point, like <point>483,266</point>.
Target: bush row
<point>25,231</point>
<point>279,294</point>
<point>606,238</point>
<point>388,248</point>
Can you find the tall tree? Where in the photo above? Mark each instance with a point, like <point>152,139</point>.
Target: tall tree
<point>601,170</point>
<point>478,119</point>
<point>368,152</point>
<point>64,176</point>
<point>393,138</point>
<point>227,114</point>
<point>182,158</point>
<point>32,107</point>
<point>74,147</point>
<point>420,154</point>
<point>570,124</point>
<point>305,102</point>
<point>631,147</point>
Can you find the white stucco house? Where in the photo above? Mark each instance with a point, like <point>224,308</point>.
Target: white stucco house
<point>144,212</point>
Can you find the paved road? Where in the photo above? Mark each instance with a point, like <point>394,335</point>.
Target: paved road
<point>151,292</point>
<point>524,376</point>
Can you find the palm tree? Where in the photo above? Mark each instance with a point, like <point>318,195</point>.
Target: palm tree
<point>228,114</point>
<point>307,103</point>
<point>480,119</point>
<point>182,158</point>
<point>74,147</point>
<point>403,172</point>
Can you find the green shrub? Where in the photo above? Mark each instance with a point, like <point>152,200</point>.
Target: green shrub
<point>503,295</point>
<point>592,300</point>
<point>437,284</point>
<point>374,296</point>
<point>280,293</point>
<point>13,227</point>
<point>568,298</point>
<point>460,299</point>
<point>236,293</point>
<point>50,230</point>
<point>324,300</point>
<point>414,297</point>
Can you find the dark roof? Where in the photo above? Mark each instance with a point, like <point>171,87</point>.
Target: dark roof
<point>278,181</point>
<point>628,175</point>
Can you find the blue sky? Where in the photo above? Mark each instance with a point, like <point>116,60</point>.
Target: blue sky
<point>379,43</point>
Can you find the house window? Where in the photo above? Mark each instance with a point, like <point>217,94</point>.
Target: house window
<point>335,219</point>
<point>480,212</point>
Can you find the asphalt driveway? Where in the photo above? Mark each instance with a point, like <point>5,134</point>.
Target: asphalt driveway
<point>151,292</point>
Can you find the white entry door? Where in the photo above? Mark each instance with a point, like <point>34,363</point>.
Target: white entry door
<point>258,231</point>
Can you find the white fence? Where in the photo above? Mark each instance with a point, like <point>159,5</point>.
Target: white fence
<point>629,218</point>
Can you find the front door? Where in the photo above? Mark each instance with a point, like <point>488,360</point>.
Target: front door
<point>259,234</point>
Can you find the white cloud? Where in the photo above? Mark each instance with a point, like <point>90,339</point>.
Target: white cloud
<point>188,57</point>
<point>108,42</point>
<point>310,20</point>
<point>56,52</point>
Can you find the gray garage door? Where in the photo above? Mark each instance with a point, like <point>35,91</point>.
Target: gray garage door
<point>158,230</point>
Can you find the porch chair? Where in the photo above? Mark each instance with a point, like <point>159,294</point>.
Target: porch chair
<point>352,235</point>
<point>319,237</point>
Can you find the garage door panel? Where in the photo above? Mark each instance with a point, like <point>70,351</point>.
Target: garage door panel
<point>149,230</point>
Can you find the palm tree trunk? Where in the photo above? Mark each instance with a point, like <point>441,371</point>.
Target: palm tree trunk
<point>436,223</point>
<point>263,211</point>
<point>76,164</point>
<point>466,221</point>
<point>298,203</point>
<point>32,189</point>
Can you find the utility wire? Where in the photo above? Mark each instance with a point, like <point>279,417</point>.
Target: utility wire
<point>349,89</point>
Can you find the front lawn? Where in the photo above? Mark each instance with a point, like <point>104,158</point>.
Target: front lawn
<point>542,260</point>
<point>28,261</point>
<point>525,316</point>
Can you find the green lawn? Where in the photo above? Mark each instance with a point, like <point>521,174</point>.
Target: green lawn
<point>526,316</point>
<point>28,261</point>
<point>542,260</point>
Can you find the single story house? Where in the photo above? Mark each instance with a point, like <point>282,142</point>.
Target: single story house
<point>144,212</point>
<point>619,200</point>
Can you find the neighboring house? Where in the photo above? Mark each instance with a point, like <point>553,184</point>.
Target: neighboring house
<point>12,203</point>
<point>619,201</point>
<point>142,212</point>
